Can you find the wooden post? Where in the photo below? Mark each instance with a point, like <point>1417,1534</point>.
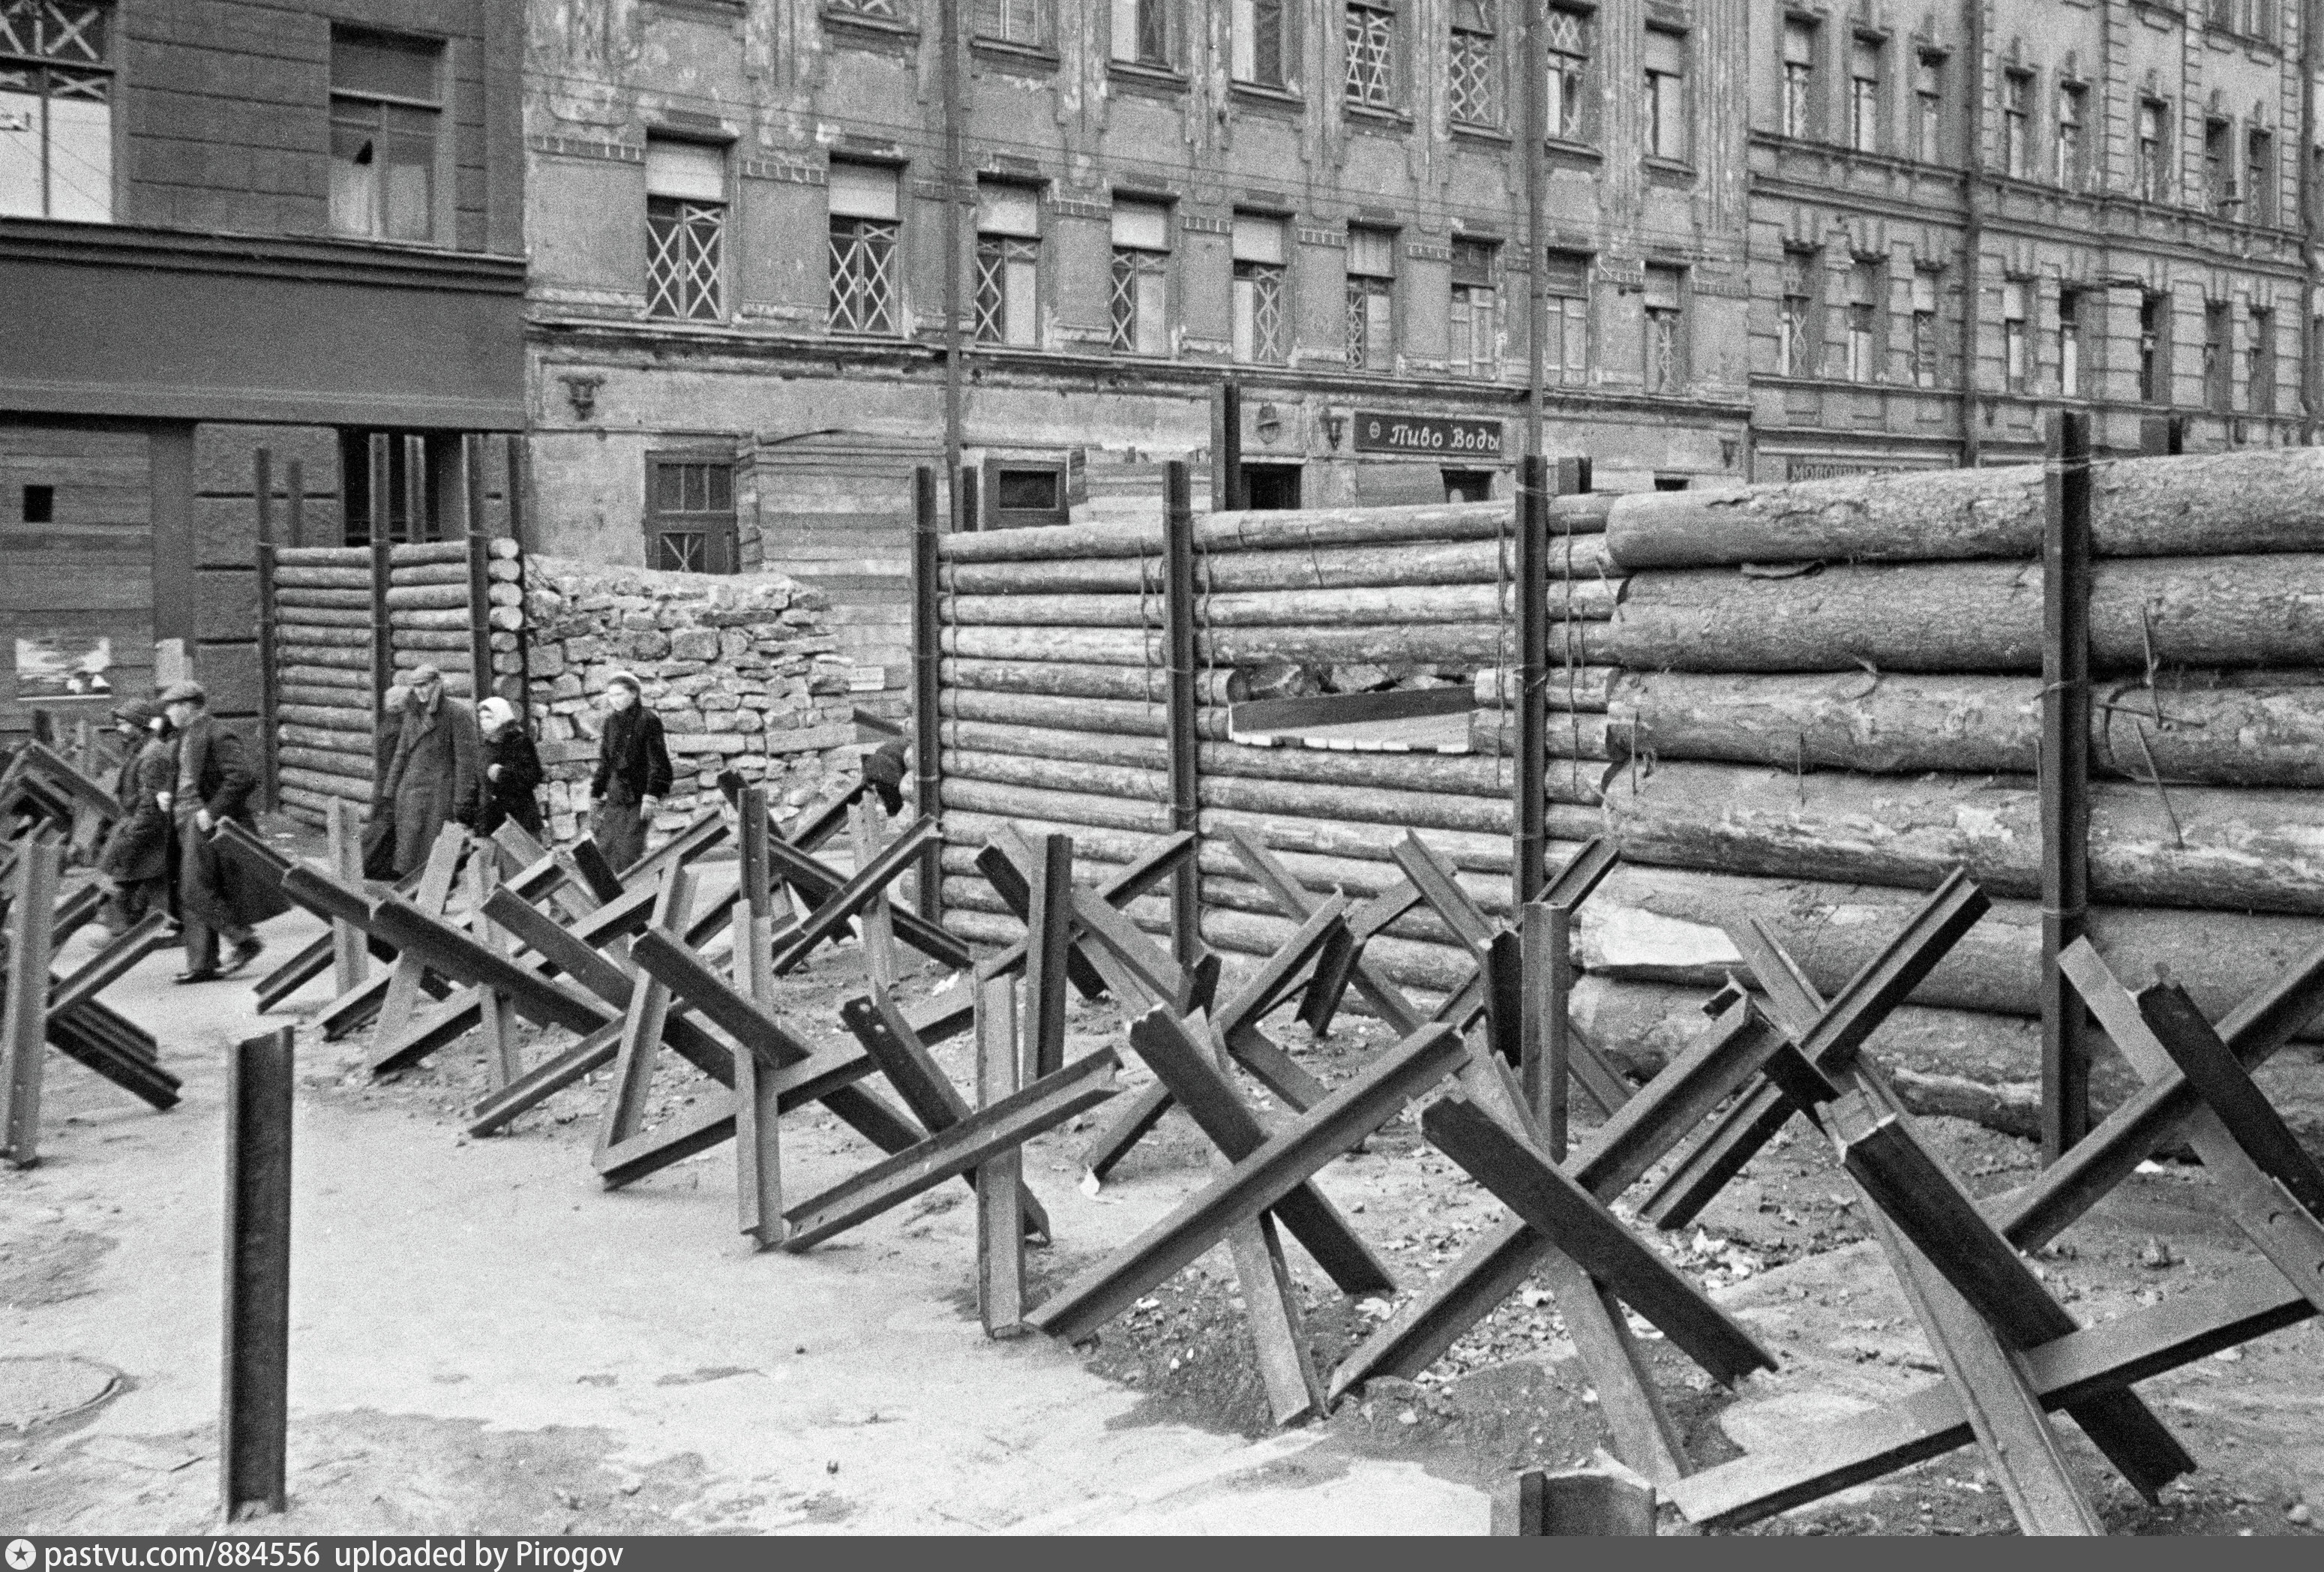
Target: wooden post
<point>927,658</point>
<point>1544,941</point>
<point>496,1015</point>
<point>350,949</point>
<point>1532,588</point>
<point>759,1166</point>
<point>2065,778</point>
<point>1048,936</point>
<point>875,923</point>
<point>382,569</point>
<point>294,506</point>
<point>24,1023</point>
<point>519,523</point>
<point>415,488</point>
<point>269,680</point>
<point>1226,448</point>
<point>253,1408</point>
<point>1183,712</point>
<point>1000,1218</point>
<point>480,549</point>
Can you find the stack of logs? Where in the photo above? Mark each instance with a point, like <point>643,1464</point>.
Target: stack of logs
<point>1805,703</point>
<point>1052,703</point>
<point>430,614</point>
<point>322,614</point>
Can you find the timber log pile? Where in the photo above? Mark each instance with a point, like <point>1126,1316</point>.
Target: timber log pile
<point>1052,704</point>
<point>1803,703</point>
<point>322,614</point>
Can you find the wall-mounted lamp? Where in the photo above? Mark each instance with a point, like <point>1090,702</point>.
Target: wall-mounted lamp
<point>581,392</point>
<point>1728,446</point>
<point>1335,426</point>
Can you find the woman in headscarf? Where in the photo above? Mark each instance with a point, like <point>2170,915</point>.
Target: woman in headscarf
<point>511,770</point>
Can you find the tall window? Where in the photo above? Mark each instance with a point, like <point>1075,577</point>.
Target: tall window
<point>1566,357</point>
<point>2070,342</point>
<point>2016,123</point>
<point>1141,32</point>
<point>56,110</point>
<point>690,516</point>
<point>1015,22</point>
<point>2219,172</point>
<point>685,228</point>
<point>1472,71</point>
<point>1565,109</point>
<point>2073,110</point>
<point>1665,111</point>
<point>1926,355</point>
<point>866,282</point>
<point>1008,264</point>
<point>2012,334</point>
<point>1262,334</point>
<point>1475,315</point>
<point>1371,33</point>
<point>1371,299</point>
<point>2218,363</point>
<point>1262,47</point>
<point>1665,335</point>
<point>386,110</point>
<point>2259,369</point>
<point>1798,347</point>
<point>2151,172</point>
<point>1799,117</point>
<point>1866,286</point>
<point>2259,177</point>
<point>1929,108</point>
<point>1142,278</point>
<point>2155,349</point>
<point>1864,95</point>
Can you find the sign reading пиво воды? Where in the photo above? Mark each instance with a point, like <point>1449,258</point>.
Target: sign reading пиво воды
<point>1433,435</point>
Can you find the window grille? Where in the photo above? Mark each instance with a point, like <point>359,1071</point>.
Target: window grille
<point>1371,56</point>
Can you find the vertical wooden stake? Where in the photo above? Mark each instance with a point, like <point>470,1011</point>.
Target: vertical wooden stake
<point>497,1014</point>
<point>261,486</point>
<point>874,922</point>
<point>382,573</point>
<point>2065,775</point>
<point>24,1023</point>
<point>416,520</point>
<point>757,1137</point>
<point>350,954</point>
<point>999,1219</point>
<point>927,659</point>
<point>253,1408</point>
<point>1542,941</point>
<point>1226,450</point>
<point>1183,712</point>
<point>294,506</point>
<point>1531,575</point>
<point>1048,934</point>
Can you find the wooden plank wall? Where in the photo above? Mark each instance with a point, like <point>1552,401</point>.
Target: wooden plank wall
<point>90,570</point>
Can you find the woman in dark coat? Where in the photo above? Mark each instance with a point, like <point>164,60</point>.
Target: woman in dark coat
<point>512,770</point>
<point>136,861</point>
<point>633,774</point>
<point>434,778</point>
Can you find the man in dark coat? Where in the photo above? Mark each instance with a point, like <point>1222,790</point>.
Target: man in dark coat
<point>134,865</point>
<point>511,770</point>
<point>435,777</point>
<point>215,895</point>
<point>633,774</point>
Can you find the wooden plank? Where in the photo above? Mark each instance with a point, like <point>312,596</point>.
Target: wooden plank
<point>1050,931</point>
<point>2226,1087</point>
<point>642,1025</point>
<point>435,893</point>
<point>1000,1179</point>
<point>757,1120</point>
<point>350,958</point>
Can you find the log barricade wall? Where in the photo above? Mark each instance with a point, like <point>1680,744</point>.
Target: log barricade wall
<point>1803,703</point>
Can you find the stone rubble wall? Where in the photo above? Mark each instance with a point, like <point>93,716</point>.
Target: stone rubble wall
<point>743,672</point>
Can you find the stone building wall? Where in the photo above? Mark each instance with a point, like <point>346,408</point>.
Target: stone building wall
<point>743,672</point>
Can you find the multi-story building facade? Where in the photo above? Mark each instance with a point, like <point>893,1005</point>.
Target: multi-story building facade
<point>738,224</point>
<point>227,225</point>
<point>1965,215</point>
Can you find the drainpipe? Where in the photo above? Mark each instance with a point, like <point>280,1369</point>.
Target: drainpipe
<point>949,25</point>
<point>1535,132</point>
<point>2311,375</point>
<point>1973,230</point>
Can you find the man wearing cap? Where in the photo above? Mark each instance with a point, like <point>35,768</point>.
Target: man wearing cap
<point>434,777</point>
<point>632,775</point>
<point>214,895</point>
<point>134,865</point>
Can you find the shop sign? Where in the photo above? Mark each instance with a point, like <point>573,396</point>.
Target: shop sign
<point>1433,435</point>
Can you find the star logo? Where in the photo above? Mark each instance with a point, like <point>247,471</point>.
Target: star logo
<point>20,1555</point>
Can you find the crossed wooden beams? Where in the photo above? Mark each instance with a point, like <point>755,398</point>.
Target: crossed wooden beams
<point>42,1010</point>
<point>2197,1086</point>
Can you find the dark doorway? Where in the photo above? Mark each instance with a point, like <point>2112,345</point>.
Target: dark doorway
<point>1270,487</point>
<point>1468,485</point>
<point>1671,482</point>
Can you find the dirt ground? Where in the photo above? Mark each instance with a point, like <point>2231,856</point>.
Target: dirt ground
<point>485,1340</point>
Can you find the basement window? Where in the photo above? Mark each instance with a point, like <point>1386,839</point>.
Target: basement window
<point>1355,708</point>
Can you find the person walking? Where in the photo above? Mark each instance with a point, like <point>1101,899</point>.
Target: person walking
<point>135,865</point>
<point>632,776</point>
<point>435,776</point>
<point>512,770</point>
<point>215,896</point>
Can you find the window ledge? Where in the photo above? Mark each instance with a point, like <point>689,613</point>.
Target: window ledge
<point>1678,168</point>
<point>881,29</point>
<point>1464,132</point>
<point>1574,149</point>
<point>1138,73</point>
<point>1261,94</point>
<point>1023,56</point>
<point>1375,116</point>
